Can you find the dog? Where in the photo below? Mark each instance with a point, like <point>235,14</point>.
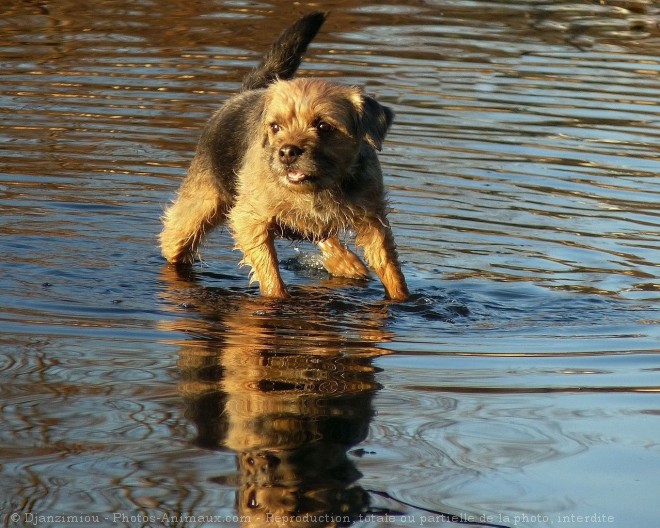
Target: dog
<point>291,158</point>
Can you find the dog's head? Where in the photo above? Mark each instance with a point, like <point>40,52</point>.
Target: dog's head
<point>314,131</point>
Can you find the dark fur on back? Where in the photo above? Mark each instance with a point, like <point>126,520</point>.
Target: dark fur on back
<point>226,138</point>
<point>285,55</point>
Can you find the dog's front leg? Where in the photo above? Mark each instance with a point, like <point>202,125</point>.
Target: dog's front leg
<point>263,260</point>
<point>375,237</point>
<point>257,242</point>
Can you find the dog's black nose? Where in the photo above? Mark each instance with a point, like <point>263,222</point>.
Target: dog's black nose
<point>289,154</point>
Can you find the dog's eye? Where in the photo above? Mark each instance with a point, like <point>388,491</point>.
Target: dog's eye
<point>274,128</point>
<point>324,127</point>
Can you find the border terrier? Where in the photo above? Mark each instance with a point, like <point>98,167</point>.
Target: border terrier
<point>292,158</point>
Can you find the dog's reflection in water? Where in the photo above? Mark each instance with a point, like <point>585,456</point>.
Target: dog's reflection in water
<point>290,393</point>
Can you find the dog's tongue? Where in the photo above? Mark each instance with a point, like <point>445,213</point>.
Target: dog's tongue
<point>296,176</point>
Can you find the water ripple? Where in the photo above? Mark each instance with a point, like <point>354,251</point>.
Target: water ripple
<point>522,169</point>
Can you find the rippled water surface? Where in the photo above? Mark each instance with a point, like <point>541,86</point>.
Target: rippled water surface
<point>519,385</point>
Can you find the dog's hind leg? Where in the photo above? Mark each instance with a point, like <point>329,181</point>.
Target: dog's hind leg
<point>199,207</point>
<point>340,261</point>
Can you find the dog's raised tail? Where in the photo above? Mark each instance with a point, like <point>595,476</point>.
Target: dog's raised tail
<point>285,55</point>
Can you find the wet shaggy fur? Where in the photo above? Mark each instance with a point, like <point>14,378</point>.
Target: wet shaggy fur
<point>291,158</point>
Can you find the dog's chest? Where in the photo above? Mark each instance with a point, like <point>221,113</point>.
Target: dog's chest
<point>313,217</point>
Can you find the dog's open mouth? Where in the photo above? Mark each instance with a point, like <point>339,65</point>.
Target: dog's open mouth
<point>296,176</point>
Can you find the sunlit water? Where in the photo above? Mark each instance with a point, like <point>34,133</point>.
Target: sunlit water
<point>519,385</point>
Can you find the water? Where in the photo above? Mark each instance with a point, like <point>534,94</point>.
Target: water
<point>519,385</point>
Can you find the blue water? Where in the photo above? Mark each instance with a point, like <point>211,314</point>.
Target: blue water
<point>518,386</point>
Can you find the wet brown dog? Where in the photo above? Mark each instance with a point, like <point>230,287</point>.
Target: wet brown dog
<point>292,158</point>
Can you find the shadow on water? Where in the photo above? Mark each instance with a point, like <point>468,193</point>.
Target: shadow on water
<point>288,386</point>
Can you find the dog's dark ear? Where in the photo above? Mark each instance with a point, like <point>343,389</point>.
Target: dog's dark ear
<point>376,121</point>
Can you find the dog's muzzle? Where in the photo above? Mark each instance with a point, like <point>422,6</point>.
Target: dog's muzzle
<point>288,155</point>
